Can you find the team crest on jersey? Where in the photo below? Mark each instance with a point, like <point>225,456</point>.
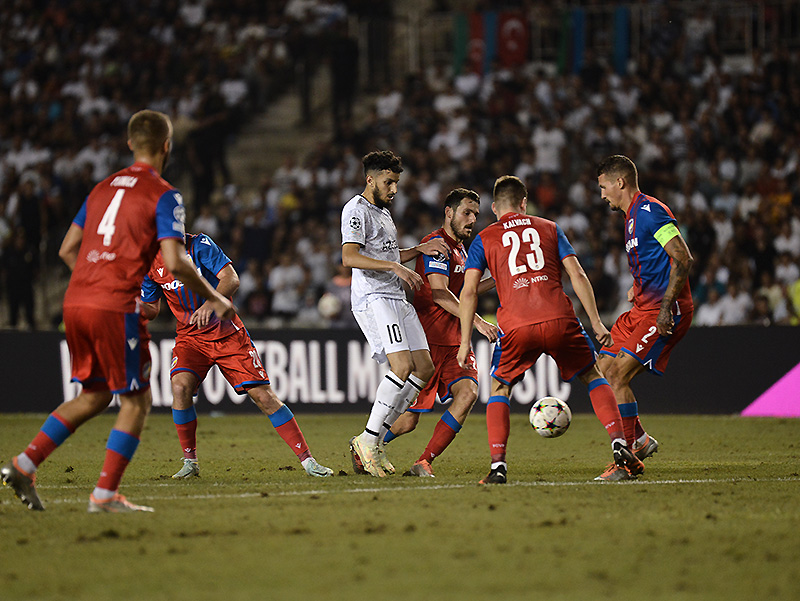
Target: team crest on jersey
<point>355,223</point>
<point>630,226</point>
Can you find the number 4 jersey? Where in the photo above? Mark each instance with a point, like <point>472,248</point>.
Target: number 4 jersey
<point>123,219</point>
<point>524,254</point>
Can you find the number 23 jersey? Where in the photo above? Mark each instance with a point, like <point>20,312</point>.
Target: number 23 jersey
<point>524,254</point>
<point>123,219</point>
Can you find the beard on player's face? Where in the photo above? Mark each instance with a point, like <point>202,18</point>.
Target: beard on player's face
<point>461,230</point>
<point>381,201</point>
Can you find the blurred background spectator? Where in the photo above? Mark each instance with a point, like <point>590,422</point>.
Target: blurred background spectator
<point>702,97</point>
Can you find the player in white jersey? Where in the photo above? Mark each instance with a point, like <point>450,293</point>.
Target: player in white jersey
<point>389,322</point>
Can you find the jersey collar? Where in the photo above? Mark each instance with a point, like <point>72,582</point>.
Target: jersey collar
<point>140,166</point>
<point>638,199</point>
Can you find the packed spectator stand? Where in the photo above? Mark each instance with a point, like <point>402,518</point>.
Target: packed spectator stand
<point>713,135</point>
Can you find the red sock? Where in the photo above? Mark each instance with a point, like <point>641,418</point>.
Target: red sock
<point>119,451</point>
<point>443,435</point>
<point>605,408</point>
<point>55,430</point>
<point>629,426</point>
<point>187,434</point>
<point>498,426</point>
<point>291,434</point>
<point>638,430</point>
<point>113,468</point>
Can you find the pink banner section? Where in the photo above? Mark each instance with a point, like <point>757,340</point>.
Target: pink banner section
<point>782,399</point>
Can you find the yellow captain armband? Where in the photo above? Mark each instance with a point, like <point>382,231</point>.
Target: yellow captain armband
<point>666,233</point>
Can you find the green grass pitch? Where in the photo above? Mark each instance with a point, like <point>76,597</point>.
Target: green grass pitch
<point>716,515</point>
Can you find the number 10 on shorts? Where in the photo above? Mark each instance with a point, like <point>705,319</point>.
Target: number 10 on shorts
<point>395,335</point>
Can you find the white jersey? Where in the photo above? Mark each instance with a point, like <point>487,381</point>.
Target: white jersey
<point>374,230</point>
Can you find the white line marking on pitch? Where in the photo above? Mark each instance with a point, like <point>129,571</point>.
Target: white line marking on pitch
<point>512,484</point>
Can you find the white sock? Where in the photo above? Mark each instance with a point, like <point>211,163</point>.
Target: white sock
<point>25,464</point>
<point>382,407</point>
<point>102,494</point>
<point>404,399</point>
<point>496,464</point>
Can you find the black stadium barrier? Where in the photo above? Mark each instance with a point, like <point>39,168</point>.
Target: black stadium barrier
<point>712,371</point>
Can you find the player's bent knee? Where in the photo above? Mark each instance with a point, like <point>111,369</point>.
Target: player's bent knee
<point>424,369</point>
<point>265,399</point>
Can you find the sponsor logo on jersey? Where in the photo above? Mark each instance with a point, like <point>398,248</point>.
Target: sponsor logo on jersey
<point>437,265</point>
<point>173,285</point>
<point>124,181</point>
<point>179,214</point>
<point>539,278</point>
<point>389,245</point>
<point>95,256</point>
<point>521,283</point>
<point>632,243</point>
<point>458,269</point>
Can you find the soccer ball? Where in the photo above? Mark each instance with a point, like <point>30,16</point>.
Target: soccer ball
<point>329,306</point>
<point>550,417</point>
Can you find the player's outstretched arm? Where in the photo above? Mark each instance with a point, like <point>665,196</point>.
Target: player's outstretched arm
<point>150,310</point>
<point>180,265</point>
<point>486,284</point>
<point>681,263</point>
<point>71,245</point>
<point>444,297</point>
<point>432,247</point>
<point>585,292</point>
<point>468,302</point>
<point>352,257</point>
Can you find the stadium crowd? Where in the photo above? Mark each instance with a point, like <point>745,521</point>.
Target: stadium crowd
<point>713,136</point>
<point>73,72</point>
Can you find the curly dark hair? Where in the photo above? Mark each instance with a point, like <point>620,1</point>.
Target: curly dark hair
<point>382,160</point>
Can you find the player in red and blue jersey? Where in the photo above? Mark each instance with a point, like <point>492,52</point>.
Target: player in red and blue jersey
<point>436,303</point>
<point>526,256</point>
<point>109,247</point>
<point>203,340</point>
<point>659,260</point>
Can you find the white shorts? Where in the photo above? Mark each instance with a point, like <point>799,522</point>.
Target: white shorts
<point>391,325</point>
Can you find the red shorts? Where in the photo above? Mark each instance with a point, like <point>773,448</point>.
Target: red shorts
<point>447,372</point>
<point>235,355</point>
<point>635,333</point>
<point>109,350</point>
<point>563,339</point>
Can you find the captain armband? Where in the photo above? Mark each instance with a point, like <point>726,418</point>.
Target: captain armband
<point>666,233</point>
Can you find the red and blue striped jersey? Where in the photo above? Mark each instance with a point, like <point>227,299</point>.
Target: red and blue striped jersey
<point>210,260</point>
<point>440,327</point>
<point>524,254</point>
<point>648,261</point>
<point>122,219</point>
